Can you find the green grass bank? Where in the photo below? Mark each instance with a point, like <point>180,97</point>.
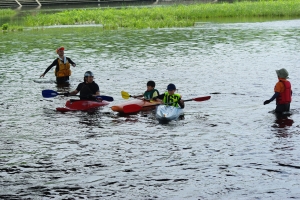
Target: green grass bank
<point>165,16</point>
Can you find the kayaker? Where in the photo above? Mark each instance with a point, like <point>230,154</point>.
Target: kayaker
<point>89,90</point>
<point>283,92</point>
<point>150,92</point>
<point>62,70</point>
<point>170,97</point>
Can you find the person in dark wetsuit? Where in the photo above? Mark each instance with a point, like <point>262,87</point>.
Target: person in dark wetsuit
<point>62,70</point>
<point>89,90</point>
<point>282,93</point>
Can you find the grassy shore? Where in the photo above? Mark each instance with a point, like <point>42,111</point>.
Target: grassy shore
<point>166,16</point>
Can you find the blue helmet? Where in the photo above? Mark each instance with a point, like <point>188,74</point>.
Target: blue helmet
<point>171,86</point>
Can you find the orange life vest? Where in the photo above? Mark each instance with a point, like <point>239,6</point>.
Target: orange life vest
<point>63,69</point>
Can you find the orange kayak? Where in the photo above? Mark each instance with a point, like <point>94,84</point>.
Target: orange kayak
<point>146,105</point>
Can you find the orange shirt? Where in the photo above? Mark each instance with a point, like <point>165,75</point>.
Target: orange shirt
<point>279,87</point>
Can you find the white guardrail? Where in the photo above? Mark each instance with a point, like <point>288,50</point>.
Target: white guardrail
<point>39,3</point>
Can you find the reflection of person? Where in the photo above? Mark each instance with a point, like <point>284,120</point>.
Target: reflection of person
<point>150,92</point>
<point>62,63</point>
<point>89,90</point>
<point>170,97</point>
<point>283,92</point>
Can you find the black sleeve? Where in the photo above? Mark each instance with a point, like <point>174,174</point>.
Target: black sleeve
<point>96,88</point>
<point>161,96</point>
<point>70,61</point>
<point>54,63</point>
<point>79,87</point>
<point>180,104</point>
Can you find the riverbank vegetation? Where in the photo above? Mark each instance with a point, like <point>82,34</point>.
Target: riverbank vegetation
<point>7,13</point>
<point>166,16</point>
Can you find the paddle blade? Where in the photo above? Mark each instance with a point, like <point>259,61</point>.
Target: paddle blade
<point>106,98</point>
<point>49,93</point>
<point>201,98</point>
<point>131,108</point>
<point>125,95</point>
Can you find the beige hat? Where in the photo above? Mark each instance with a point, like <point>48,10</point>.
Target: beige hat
<point>282,73</point>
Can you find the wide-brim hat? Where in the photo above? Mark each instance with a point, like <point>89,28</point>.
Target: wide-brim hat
<point>282,73</point>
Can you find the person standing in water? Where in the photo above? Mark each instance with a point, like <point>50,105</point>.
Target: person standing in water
<point>283,93</point>
<point>62,70</point>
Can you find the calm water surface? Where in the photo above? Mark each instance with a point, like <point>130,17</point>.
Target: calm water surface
<point>230,147</point>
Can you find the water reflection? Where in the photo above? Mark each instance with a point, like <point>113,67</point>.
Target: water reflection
<point>225,142</point>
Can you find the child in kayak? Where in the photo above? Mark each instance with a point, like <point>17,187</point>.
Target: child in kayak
<point>89,90</point>
<point>150,92</point>
<point>283,92</point>
<point>62,70</point>
<point>170,97</point>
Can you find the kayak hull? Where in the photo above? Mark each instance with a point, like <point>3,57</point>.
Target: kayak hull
<point>165,113</point>
<point>145,105</point>
<point>81,105</point>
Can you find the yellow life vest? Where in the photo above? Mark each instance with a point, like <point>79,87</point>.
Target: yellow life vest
<point>63,69</point>
<point>171,100</point>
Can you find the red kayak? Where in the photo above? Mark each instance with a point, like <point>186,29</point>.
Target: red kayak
<point>132,104</point>
<point>81,105</point>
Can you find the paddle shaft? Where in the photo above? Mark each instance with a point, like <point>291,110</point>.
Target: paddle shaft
<point>51,93</point>
<point>133,108</point>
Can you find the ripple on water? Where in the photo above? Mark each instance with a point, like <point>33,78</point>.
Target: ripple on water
<point>231,147</point>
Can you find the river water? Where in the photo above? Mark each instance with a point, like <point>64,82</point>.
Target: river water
<point>229,147</point>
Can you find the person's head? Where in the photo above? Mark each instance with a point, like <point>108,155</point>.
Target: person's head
<point>88,77</point>
<point>171,88</point>
<point>282,73</point>
<point>150,85</point>
<point>60,51</point>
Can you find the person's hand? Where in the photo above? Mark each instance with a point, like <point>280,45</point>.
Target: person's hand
<point>99,99</point>
<point>267,102</point>
<point>74,65</point>
<point>67,94</point>
<point>154,98</point>
<point>42,75</point>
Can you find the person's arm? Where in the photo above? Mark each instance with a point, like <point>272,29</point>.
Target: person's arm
<point>161,97</point>
<point>138,96</point>
<point>181,103</point>
<point>54,63</point>
<point>276,94</point>
<point>70,61</point>
<point>155,94</point>
<point>74,92</point>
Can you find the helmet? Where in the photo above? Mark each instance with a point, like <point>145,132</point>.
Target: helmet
<point>88,73</point>
<point>171,86</point>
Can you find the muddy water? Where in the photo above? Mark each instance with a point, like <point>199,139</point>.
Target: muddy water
<point>230,147</point>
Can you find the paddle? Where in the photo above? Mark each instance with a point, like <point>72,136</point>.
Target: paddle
<point>133,108</point>
<point>52,93</point>
<point>126,95</point>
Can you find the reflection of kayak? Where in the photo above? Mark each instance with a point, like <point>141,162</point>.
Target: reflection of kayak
<point>165,113</point>
<point>144,105</point>
<point>82,105</point>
